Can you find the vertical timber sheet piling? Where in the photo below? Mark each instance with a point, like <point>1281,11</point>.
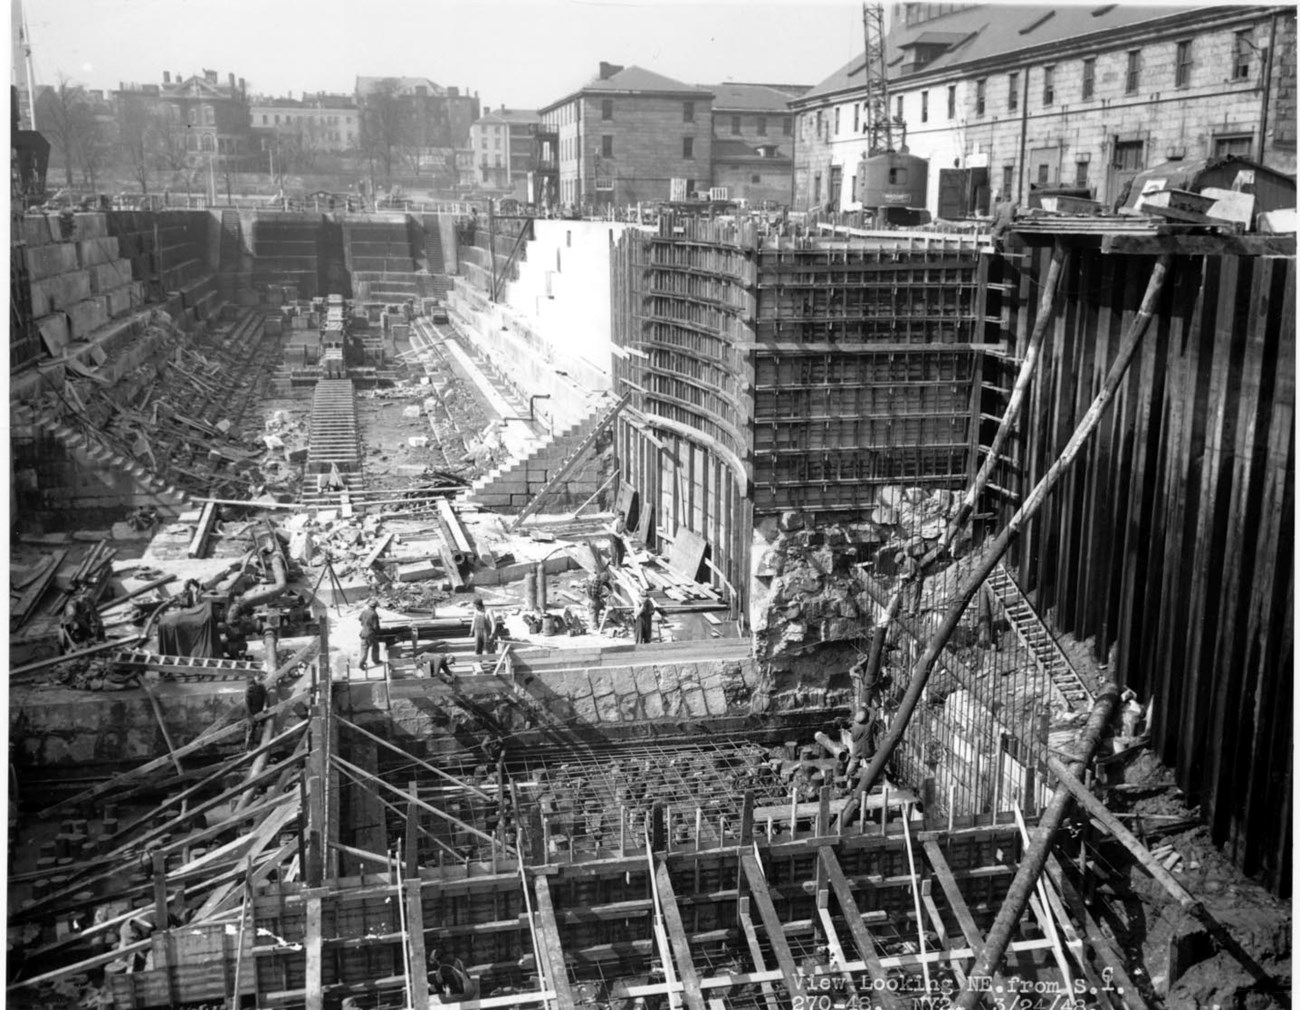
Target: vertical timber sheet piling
<point>1172,545</point>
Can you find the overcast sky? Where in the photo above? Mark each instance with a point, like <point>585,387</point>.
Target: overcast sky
<point>520,54</point>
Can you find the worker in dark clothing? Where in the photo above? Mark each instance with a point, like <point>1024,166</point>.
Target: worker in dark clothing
<point>81,622</point>
<point>449,979</point>
<point>191,594</point>
<point>481,629</point>
<point>862,740</point>
<point>369,634</point>
<point>254,703</point>
<point>645,617</point>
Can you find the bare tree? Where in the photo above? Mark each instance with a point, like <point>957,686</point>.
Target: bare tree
<point>137,136</point>
<point>385,124</point>
<point>95,149</point>
<point>61,111</point>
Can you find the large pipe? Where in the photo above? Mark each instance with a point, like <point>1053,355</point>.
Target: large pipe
<point>268,545</point>
<point>1031,864</point>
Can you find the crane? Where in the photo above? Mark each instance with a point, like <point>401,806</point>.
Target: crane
<point>879,128</point>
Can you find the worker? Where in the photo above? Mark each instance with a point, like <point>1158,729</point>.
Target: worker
<point>862,735</point>
<point>369,634</point>
<point>617,548</point>
<point>191,594</point>
<point>481,629</point>
<point>645,616</point>
<point>254,703</point>
<point>81,622</point>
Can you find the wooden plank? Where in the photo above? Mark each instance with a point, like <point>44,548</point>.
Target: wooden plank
<point>418,957</point>
<point>755,951</point>
<point>314,985</point>
<point>207,518</point>
<point>862,938</point>
<point>956,900</point>
<point>677,937</point>
<point>551,946</point>
<point>771,920</point>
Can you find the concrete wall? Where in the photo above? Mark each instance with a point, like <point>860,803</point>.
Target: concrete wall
<point>550,334</point>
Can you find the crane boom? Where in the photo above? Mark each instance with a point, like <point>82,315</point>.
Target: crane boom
<point>879,128</point>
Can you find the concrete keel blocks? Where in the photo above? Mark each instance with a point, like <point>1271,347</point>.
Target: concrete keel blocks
<point>418,571</point>
<point>104,277</point>
<point>94,251</point>
<point>58,293</point>
<point>119,301</point>
<point>36,230</point>
<point>86,316</point>
<point>50,260</point>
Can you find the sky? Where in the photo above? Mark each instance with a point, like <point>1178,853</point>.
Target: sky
<point>518,54</point>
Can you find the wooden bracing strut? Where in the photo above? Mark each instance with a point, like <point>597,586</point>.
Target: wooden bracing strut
<point>567,466</point>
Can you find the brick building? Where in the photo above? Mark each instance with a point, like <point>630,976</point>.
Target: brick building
<point>437,117</point>
<point>753,141</point>
<point>502,142</point>
<point>626,135</point>
<point>207,116</point>
<point>1015,96</point>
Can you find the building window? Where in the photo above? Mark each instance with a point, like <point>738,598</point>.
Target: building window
<point>277,122</point>
<point>952,101</point>
<point>898,108</point>
<point>837,120</point>
<point>1237,145</point>
<point>209,116</point>
<point>1042,175</point>
<point>857,117</point>
<point>817,187</point>
<point>1183,66</point>
<point>1241,48</point>
<point>607,108</point>
<point>1049,85</point>
<point>819,123</point>
<point>1080,174</point>
<point>688,147</point>
<point>607,146</point>
<point>1133,73</point>
<point>735,124</point>
<point>756,179</point>
<point>688,112</point>
<point>787,127</point>
<point>762,126</point>
<point>979,96</point>
<point>1089,78</point>
<point>1008,180</point>
<point>925,106</point>
<point>498,161</point>
<point>265,117</point>
<point>1128,155</point>
<point>1013,92</point>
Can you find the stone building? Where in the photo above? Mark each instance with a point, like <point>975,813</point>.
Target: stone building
<point>1019,96</point>
<point>502,142</point>
<point>753,141</point>
<point>627,134</point>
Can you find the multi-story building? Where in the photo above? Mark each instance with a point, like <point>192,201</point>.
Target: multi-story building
<point>627,135</point>
<point>434,116</point>
<point>502,141</point>
<point>753,141</point>
<point>206,115</point>
<point>330,122</point>
<point>1017,96</point>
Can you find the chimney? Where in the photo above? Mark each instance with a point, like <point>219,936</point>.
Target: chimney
<point>210,76</point>
<point>231,79</point>
<point>608,70</point>
<point>241,85</point>
<point>167,77</point>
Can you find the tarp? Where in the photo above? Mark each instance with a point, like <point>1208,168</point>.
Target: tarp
<point>191,632</point>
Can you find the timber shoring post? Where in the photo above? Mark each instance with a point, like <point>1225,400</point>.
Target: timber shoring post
<point>1046,304</point>
<point>1033,502</point>
<point>1031,863</point>
<point>1069,782</point>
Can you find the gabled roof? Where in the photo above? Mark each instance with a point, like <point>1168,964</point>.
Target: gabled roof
<point>195,86</point>
<point>995,30</point>
<point>740,150</point>
<point>401,85</point>
<point>731,97</point>
<point>631,80</point>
